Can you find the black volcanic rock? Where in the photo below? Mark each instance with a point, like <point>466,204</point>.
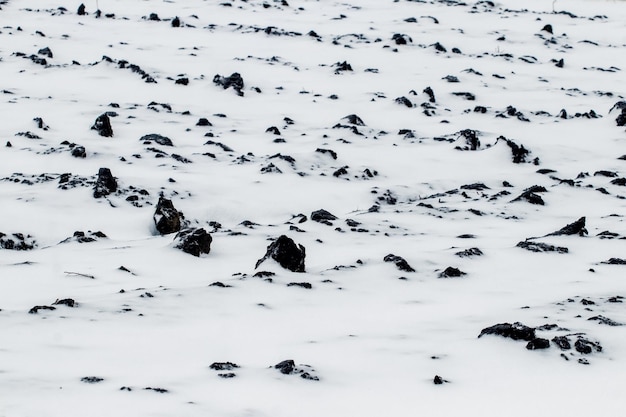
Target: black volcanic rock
<point>286,367</point>
<point>194,241</point>
<point>103,126</point>
<point>166,218</point>
<point>538,343</point>
<point>452,272</point>
<point>541,247</point>
<point>404,101</point>
<point>515,331</point>
<point>17,241</point>
<point>81,10</point>
<point>155,137</point>
<point>401,39</point>
<point>575,228</point>
<point>431,95</point>
<point>471,138</point>
<point>105,183</point>
<point>400,262</point>
<point>323,216</point>
<point>176,22</point>
<point>223,366</point>
<point>288,255</point>
<point>235,81</point>
<point>79,152</point>
<point>467,253</point>
<point>562,342</point>
<point>353,119</point>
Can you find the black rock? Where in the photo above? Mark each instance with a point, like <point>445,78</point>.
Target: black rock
<point>576,228</point>
<point>615,261</point>
<point>471,138</point>
<point>562,342</point>
<point>538,343</point>
<point>530,197</point>
<point>430,93</point>
<point>477,186</point>
<point>515,331</point>
<point>605,320</point>
<point>354,120</point>
<point>154,137</point>
<point>330,152</point>
<point>342,66</point>
<point>176,22</point>
<point>286,367</point>
<point>79,152</point>
<point>467,253</point>
<point>404,101</point>
<point>17,241</point>
<point>323,216</point>
<point>203,121</point>
<point>154,17</point>
<point>288,255</point>
<point>439,47</point>
<point>36,309</point>
<point>619,181</point>
<point>105,183</point>
<point>81,10</point>
<point>103,126</point>
<point>273,130</point>
<point>305,285</point>
<point>451,79</point>
<point>235,81</point>
<point>166,218</point>
<point>182,81</point>
<point>541,247</point>
<point>519,152</point>
<point>451,272</point>
<point>586,346</point>
<point>194,241</point>
<point>439,380</point>
<point>547,28</point>
<point>400,262</point>
<point>45,51</point>
<point>66,302</point>
<point>223,366</point>
<point>401,39</point>
<point>91,379</point>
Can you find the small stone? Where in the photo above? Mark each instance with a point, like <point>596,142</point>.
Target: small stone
<point>400,262</point>
<point>103,126</point>
<point>515,331</point>
<point>451,272</point>
<point>166,218</point>
<point>288,255</point>
<point>538,343</point>
<point>194,241</point>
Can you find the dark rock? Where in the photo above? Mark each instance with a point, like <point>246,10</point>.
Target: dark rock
<point>203,121</point>
<point>45,51</point>
<point>562,342</point>
<point>439,380</point>
<point>515,331</point>
<point>619,181</point>
<point>541,247</point>
<point>530,197</point>
<point>547,28</point>
<point>575,228</point>
<point>538,343</point>
<point>323,216</point>
<point>154,17</point>
<point>467,253</point>
<point>354,120</point>
<point>154,137</point>
<point>404,101</point>
<point>451,272</point>
<point>519,152</point>
<point>81,10</point>
<point>286,367</point>
<point>166,218</point>
<point>288,255</point>
<point>235,81</point>
<point>36,309</point>
<point>182,81</point>
<point>272,129</point>
<point>91,379</point>
<point>466,95</point>
<point>605,320</point>
<point>431,95</point>
<point>471,138</point>
<point>400,262</point>
<point>65,302</point>
<point>105,183</point>
<point>17,241</point>
<point>227,375</point>
<point>305,285</point>
<point>477,186</point>
<point>176,22</point>
<point>264,274</point>
<point>223,366</point>
<point>159,390</point>
<point>439,47</point>
<point>194,241</point>
<point>401,39</point>
<point>342,66</point>
<point>615,261</point>
<point>330,152</point>
<point>451,79</point>
<point>103,126</point>
<point>79,152</point>
<point>586,346</point>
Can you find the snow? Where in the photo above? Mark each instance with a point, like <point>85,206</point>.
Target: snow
<point>375,336</point>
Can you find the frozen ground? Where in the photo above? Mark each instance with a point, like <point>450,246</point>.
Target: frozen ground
<point>423,179</point>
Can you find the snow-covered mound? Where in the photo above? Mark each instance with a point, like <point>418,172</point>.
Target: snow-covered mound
<point>309,207</point>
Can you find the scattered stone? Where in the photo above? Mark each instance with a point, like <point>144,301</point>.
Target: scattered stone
<point>515,331</point>
<point>541,247</point>
<point>235,81</point>
<point>159,390</point>
<point>353,119</point>
<point>538,343</point>
<point>451,272</point>
<point>223,366</point>
<point>439,380</point>
<point>586,346</point>
<point>105,183</point>
<point>323,216</point>
<point>400,262</point>
<point>471,138</point>
<point>605,320</point>
<point>203,121</point>
<point>79,152</point>
<point>154,137</point>
<point>166,218</point>
<point>305,285</point>
<point>288,255</point>
<point>103,126</point>
<point>615,261</point>
<point>404,101</point>
<point>401,39</point>
<point>562,342</point>
<point>468,253</point>
<point>81,10</point>
<point>17,241</point>
<point>194,241</point>
<point>91,379</point>
<point>576,228</point>
<point>286,367</point>
<point>430,93</point>
<point>36,309</point>
<point>65,302</point>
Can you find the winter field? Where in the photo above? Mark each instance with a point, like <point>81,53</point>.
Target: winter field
<point>277,208</point>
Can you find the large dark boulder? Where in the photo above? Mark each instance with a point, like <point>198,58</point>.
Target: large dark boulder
<point>575,228</point>
<point>323,216</point>
<point>166,218</point>
<point>194,241</point>
<point>105,183</point>
<point>235,81</point>
<point>288,255</point>
<point>515,331</point>
<point>103,126</point>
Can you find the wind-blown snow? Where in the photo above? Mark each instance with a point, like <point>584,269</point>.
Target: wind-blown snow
<point>405,182</point>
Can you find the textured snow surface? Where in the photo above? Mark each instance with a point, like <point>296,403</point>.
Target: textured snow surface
<point>334,114</point>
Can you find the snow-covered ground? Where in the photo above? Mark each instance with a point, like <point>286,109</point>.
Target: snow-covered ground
<point>334,114</point>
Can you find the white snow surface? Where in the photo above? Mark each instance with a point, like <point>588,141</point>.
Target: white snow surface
<point>375,336</point>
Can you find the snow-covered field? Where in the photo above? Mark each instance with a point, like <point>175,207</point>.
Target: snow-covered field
<point>477,143</point>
